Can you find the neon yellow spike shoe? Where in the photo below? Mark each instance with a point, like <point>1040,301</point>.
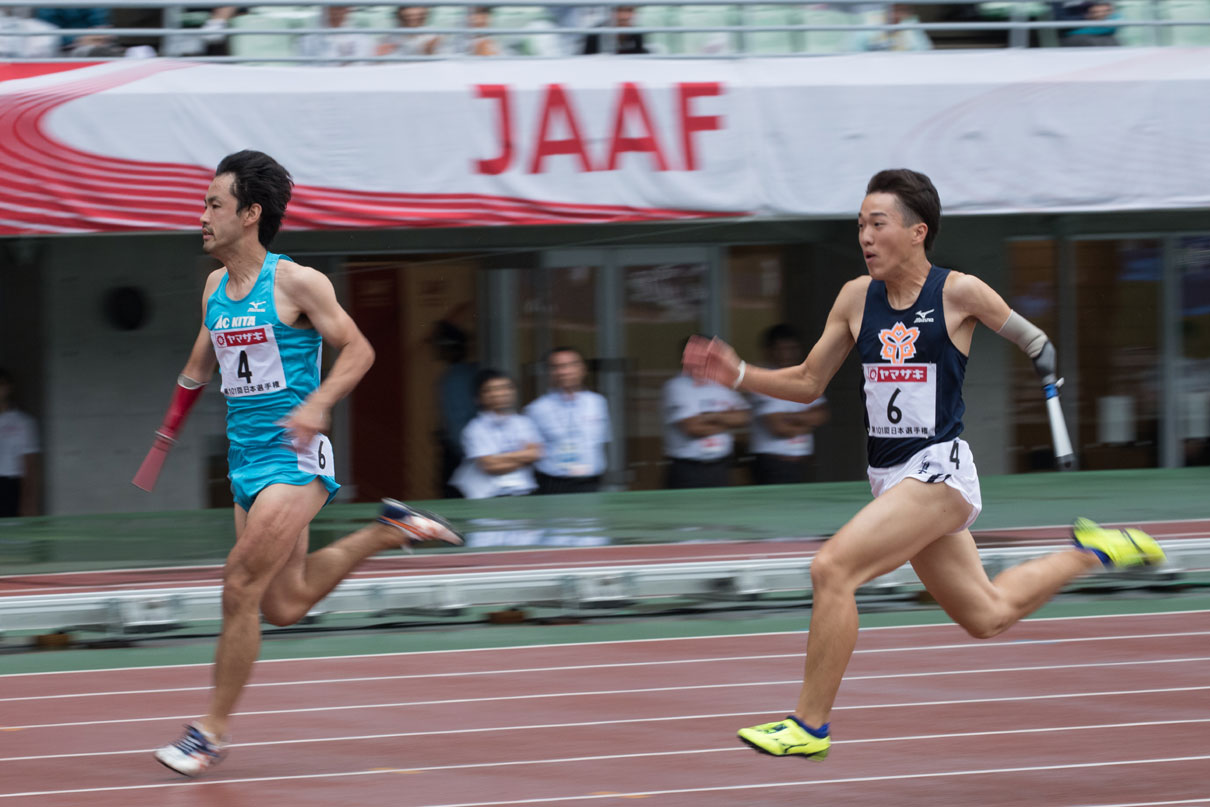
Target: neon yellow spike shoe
<point>1117,548</point>
<point>785,738</point>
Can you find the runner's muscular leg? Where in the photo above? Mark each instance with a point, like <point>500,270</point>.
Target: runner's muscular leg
<point>306,579</point>
<point>953,573</point>
<point>266,537</point>
<point>884,535</point>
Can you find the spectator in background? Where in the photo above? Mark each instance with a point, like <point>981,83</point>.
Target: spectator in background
<point>98,44</point>
<point>699,417</point>
<point>20,471</point>
<point>574,425</point>
<point>1096,33</point>
<point>337,48</point>
<point>212,43</point>
<point>623,17</point>
<point>416,42</point>
<point>29,47</point>
<point>501,446</point>
<point>455,396</point>
<point>480,17</point>
<point>782,431</point>
<point>895,14</point>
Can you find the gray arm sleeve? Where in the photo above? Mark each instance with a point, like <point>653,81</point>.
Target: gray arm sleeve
<point>1031,339</point>
<point>1027,336</point>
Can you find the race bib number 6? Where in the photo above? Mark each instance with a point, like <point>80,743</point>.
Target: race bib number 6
<point>249,361</point>
<point>901,399</point>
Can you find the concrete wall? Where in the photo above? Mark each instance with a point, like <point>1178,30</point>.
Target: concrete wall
<point>105,388</point>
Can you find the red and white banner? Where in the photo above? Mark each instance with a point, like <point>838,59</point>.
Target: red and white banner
<point>131,146</point>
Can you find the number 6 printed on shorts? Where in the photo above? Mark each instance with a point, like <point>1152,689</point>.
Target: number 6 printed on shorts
<point>316,458</point>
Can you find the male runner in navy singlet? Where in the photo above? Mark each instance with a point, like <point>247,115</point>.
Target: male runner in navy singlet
<point>912,323</point>
<point>264,319</point>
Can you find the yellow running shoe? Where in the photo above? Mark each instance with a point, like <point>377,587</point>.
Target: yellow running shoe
<point>1118,548</point>
<point>786,737</point>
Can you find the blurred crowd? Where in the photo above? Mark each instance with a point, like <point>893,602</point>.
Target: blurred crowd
<point>556,443</point>
<point>535,30</point>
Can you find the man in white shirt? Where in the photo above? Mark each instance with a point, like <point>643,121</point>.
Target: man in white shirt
<point>699,417</point>
<point>782,431</point>
<point>574,425</point>
<point>342,46</point>
<point>19,454</point>
<point>501,446</point>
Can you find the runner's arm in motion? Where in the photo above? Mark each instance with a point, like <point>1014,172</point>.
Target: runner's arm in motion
<point>198,370</point>
<point>189,387</point>
<point>312,293</point>
<point>714,359</point>
<point>979,300</point>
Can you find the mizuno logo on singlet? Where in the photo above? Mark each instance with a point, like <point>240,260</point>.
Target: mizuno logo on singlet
<point>258,307</point>
<point>923,316</point>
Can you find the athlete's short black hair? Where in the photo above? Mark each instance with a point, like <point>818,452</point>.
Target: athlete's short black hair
<point>259,180</point>
<point>918,199</point>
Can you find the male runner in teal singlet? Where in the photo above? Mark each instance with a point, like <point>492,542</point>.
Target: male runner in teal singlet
<point>264,319</point>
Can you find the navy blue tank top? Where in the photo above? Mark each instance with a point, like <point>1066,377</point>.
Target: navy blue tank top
<point>912,373</point>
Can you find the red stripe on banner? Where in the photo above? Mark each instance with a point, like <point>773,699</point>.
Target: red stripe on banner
<point>47,186</point>
<point>11,71</point>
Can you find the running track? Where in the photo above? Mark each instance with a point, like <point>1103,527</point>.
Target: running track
<point>559,558</point>
<point>1059,712</point>
<point>1062,713</point>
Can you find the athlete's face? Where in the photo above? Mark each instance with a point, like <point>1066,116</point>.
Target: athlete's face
<point>566,371</point>
<point>887,242</point>
<point>498,395</point>
<point>222,224</point>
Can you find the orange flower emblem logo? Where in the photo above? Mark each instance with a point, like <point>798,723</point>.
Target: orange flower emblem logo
<point>898,343</point>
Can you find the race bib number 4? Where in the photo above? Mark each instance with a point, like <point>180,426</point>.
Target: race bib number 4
<point>901,399</point>
<point>249,361</point>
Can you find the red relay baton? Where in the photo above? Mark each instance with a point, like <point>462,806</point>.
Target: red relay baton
<point>183,399</point>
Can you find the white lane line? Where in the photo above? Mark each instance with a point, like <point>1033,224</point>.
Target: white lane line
<point>602,693</point>
<point>813,782</point>
<point>578,667</point>
<point>654,549</point>
<point>751,787</point>
<point>943,622</point>
<point>431,571</point>
<point>1205,800</point>
<point>986,538</point>
<point>1145,525</point>
<point>415,571</point>
<point>596,723</point>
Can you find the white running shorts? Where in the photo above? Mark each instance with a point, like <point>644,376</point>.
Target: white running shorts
<point>951,463</point>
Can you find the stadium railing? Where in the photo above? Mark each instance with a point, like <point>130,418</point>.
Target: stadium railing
<point>271,30</point>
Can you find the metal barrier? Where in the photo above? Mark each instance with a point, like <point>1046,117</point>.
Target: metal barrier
<point>568,591</point>
<point>274,29</point>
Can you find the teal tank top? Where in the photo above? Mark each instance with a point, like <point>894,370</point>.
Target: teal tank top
<point>268,368</point>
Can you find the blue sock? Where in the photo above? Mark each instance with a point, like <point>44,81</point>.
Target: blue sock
<point>818,733</point>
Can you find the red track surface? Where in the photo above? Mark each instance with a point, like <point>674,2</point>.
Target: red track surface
<point>514,560</point>
<point>1071,712</point>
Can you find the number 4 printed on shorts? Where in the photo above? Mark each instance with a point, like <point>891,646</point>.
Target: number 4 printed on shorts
<point>954,454</point>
